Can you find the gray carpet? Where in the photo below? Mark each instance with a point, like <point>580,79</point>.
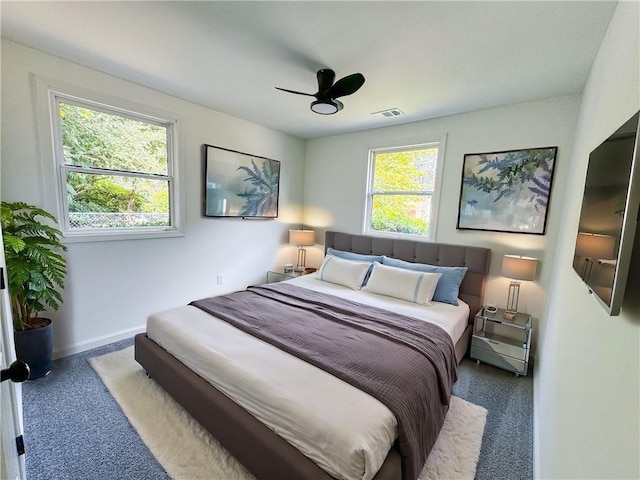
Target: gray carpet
<point>74,429</point>
<point>507,445</point>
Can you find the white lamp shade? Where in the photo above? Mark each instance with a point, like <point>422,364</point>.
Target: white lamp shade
<point>597,246</point>
<point>519,268</point>
<point>302,238</point>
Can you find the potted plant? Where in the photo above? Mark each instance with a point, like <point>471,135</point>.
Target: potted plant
<point>35,272</point>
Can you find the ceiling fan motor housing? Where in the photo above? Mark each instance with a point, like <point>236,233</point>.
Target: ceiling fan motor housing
<point>325,77</point>
<point>328,91</point>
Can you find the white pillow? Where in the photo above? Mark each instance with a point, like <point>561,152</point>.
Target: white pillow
<point>416,287</point>
<point>343,272</point>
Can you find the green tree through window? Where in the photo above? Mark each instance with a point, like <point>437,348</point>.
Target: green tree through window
<point>401,189</point>
<point>116,168</point>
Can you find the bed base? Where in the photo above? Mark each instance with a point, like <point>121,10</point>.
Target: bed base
<point>462,347</point>
<point>259,449</point>
<point>265,454</point>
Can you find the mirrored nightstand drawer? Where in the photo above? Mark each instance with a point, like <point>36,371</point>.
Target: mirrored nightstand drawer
<point>510,364</point>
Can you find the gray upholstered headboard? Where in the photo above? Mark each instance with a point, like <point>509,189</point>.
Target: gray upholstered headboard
<point>476,259</point>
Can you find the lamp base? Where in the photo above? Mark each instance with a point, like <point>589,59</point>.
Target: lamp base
<point>302,258</point>
<point>512,301</point>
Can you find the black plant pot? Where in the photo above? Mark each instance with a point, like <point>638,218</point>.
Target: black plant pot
<point>35,348</point>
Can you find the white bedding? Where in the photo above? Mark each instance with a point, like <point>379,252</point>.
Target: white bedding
<point>345,431</point>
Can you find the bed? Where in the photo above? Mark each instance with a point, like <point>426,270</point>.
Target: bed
<point>248,434</point>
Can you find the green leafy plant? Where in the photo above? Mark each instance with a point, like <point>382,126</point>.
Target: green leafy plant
<point>35,268</point>
<point>109,196</point>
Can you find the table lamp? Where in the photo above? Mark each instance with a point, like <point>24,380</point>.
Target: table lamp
<point>517,268</point>
<point>302,238</point>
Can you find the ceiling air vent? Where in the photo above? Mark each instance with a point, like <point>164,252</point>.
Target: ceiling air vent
<point>392,112</point>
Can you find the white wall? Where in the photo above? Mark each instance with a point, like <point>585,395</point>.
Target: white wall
<point>587,391</point>
<point>336,173</point>
<point>113,286</point>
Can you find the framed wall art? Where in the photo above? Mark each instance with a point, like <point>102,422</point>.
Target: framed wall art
<point>240,185</point>
<point>507,191</point>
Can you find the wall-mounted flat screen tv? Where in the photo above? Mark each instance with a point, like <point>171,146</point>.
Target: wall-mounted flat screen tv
<point>609,216</point>
<point>240,185</point>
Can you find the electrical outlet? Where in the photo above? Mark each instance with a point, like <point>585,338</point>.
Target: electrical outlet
<point>220,279</point>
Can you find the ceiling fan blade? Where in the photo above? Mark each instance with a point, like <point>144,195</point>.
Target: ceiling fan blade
<point>297,93</point>
<point>326,76</point>
<point>346,86</point>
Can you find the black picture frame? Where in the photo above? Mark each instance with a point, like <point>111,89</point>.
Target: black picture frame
<point>507,191</point>
<point>240,185</point>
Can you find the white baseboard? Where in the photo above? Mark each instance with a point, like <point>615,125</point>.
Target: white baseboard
<point>97,342</point>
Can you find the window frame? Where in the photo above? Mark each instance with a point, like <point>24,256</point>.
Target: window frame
<point>49,94</point>
<point>435,193</point>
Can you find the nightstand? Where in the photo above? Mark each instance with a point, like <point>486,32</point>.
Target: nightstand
<point>273,277</point>
<point>500,342</point>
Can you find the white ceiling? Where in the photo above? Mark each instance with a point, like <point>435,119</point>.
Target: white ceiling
<point>429,59</point>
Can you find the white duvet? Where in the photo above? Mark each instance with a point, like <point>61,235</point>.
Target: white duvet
<point>345,431</point>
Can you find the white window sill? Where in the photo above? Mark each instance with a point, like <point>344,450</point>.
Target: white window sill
<point>120,234</point>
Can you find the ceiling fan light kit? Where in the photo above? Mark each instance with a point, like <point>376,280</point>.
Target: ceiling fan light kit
<point>326,103</point>
<point>326,107</point>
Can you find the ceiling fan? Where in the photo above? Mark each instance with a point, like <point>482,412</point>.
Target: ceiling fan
<point>328,91</point>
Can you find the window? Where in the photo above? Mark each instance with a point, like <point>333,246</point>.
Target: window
<point>115,169</point>
<point>402,194</point>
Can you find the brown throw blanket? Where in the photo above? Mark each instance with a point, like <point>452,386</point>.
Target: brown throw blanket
<point>407,364</point>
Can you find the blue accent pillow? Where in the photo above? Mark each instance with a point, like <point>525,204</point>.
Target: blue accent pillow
<point>354,256</point>
<point>448,286</point>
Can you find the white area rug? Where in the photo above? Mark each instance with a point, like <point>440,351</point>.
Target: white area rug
<point>187,451</point>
